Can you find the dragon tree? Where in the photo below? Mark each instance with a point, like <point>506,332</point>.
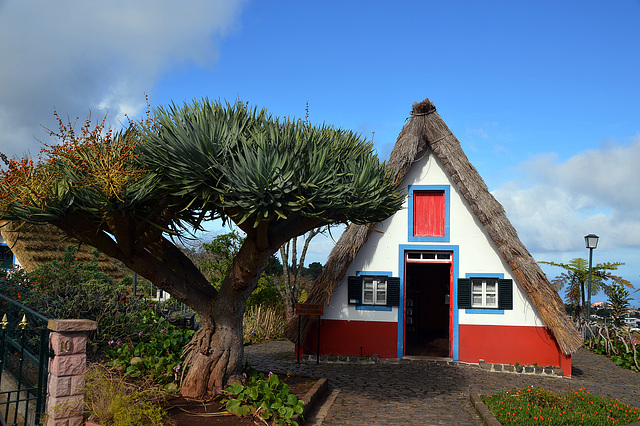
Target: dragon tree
<point>131,193</point>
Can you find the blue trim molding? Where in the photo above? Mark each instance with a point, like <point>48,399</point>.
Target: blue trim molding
<point>485,311</point>
<point>499,275</point>
<point>455,321</point>
<point>373,308</point>
<point>447,210</point>
<point>374,273</point>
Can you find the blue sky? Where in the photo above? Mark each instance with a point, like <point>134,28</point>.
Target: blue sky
<point>544,96</point>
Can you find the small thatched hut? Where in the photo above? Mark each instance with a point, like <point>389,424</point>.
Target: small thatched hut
<point>35,245</point>
<point>445,276</point>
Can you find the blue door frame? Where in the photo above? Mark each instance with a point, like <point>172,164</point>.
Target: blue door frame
<point>453,300</point>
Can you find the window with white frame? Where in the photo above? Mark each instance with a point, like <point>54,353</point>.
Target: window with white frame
<point>484,292</point>
<point>374,291</point>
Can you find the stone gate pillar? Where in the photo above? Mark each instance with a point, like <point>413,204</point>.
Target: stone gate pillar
<point>68,340</point>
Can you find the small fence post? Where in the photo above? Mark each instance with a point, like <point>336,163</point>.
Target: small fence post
<point>65,398</point>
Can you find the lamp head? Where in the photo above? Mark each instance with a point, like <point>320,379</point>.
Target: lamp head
<point>591,241</point>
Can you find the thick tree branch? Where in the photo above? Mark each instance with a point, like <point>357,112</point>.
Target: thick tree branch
<point>178,261</point>
<point>150,229</point>
<point>242,276</point>
<point>122,228</point>
<point>85,230</point>
<point>162,262</point>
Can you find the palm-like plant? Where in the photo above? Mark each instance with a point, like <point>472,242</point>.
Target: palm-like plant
<point>576,277</point>
<point>619,301</point>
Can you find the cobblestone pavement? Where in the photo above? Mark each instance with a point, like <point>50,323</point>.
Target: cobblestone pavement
<point>427,392</point>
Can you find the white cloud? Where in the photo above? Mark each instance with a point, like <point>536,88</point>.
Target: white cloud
<point>594,191</point>
<point>78,56</point>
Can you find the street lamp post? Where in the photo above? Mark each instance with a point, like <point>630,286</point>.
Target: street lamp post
<point>591,241</point>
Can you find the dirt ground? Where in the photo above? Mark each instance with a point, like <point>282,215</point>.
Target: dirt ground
<point>200,413</point>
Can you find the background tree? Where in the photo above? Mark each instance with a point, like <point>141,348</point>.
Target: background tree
<point>576,277</point>
<point>128,193</point>
<point>216,257</point>
<point>293,270</point>
<point>619,301</point>
<point>313,271</point>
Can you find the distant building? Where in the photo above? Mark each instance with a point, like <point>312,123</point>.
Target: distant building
<point>632,322</point>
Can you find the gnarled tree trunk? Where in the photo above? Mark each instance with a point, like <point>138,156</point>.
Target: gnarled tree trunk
<point>215,355</point>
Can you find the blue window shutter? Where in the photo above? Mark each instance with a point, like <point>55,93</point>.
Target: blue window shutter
<point>393,291</point>
<point>505,294</point>
<point>354,291</point>
<point>464,293</point>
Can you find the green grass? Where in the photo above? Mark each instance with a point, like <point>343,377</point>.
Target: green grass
<point>537,406</point>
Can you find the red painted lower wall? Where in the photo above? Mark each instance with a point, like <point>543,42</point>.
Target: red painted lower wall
<point>349,338</point>
<point>509,345</point>
<point>492,343</point>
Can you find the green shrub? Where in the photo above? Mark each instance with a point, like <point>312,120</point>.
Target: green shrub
<point>266,295</point>
<point>153,352</point>
<point>264,396</point>
<point>625,356</point>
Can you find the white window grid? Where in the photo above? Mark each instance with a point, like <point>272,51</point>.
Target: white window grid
<point>374,291</point>
<point>484,292</point>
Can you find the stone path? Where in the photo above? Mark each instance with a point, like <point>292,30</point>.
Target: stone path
<point>422,392</point>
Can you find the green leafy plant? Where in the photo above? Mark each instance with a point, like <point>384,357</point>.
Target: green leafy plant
<point>264,396</point>
<point>154,352</point>
<point>575,279</point>
<point>537,406</point>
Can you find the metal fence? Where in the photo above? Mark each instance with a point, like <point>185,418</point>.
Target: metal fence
<point>24,356</point>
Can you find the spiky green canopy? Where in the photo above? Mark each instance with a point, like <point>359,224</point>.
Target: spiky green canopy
<point>233,162</point>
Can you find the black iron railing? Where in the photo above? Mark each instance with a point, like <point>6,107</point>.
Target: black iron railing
<point>24,356</point>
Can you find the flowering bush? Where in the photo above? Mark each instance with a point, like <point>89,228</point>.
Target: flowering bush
<point>537,406</point>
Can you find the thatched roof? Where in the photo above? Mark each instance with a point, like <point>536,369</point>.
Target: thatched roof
<point>426,130</point>
<point>35,245</point>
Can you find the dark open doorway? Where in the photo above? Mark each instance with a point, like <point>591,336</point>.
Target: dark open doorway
<point>427,309</point>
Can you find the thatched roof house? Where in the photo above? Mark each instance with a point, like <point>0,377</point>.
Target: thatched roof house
<point>35,245</point>
<point>489,290</point>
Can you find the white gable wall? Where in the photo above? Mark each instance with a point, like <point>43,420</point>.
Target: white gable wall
<point>477,254</point>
